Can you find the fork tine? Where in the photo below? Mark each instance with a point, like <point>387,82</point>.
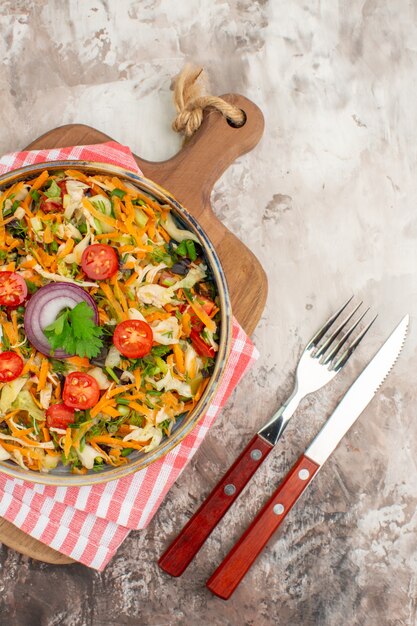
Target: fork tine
<point>347,354</point>
<point>345,337</point>
<point>335,333</point>
<point>323,330</point>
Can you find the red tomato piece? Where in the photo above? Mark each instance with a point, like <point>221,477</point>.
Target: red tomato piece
<point>63,186</point>
<point>99,261</point>
<point>11,366</point>
<point>208,306</point>
<point>51,205</point>
<point>81,391</point>
<point>133,338</point>
<point>59,416</point>
<point>201,347</point>
<point>13,289</point>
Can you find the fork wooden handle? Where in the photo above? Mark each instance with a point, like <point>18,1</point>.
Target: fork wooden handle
<point>235,565</point>
<point>183,549</point>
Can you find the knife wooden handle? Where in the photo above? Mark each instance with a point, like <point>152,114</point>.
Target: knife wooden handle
<point>183,549</point>
<point>233,568</point>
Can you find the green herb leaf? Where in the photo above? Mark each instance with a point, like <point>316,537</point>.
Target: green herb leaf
<point>118,192</point>
<point>53,191</point>
<point>191,251</point>
<point>182,249</point>
<point>75,332</point>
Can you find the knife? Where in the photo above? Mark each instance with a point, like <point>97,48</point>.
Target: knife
<point>233,568</point>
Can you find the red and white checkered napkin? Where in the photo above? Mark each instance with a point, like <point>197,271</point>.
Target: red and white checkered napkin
<point>89,523</point>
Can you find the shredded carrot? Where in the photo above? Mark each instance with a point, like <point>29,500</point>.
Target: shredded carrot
<point>186,323</point>
<point>179,357</point>
<point>11,414</point>
<point>43,374</point>
<point>201,389</point>
<point>79,470</point>
<point>124,429</point>
<point>116,390</point>
<point>151,229</point>
<point>107,236</point>
<point>28,365</point>
<point>157,315</point>
<point>142,409</point>
<point>109,410</point>
<point>67,442</point>
<point>126,248</point>
<point>40,180</point>
<point>112,301</point>
<point>200,312</point>
<point>9,330</point>
<point>37,183</point>
<point>164,234</point>
<point>169,399</point>
<point>101,452</point>
<point>67,249</point>
<point>131,279</point>
<point>140,395</point>
<point>121,298</point>
<point>46,435</point>
<point>47,235</point>
<point>103,402</point>
<point>103,317</point>
<point>138,378</point>
<point>78,361</point>
<point>80,432</point>
<point>13,315</point>
<point>78,176</point>
<point>114,441</point>
<point>57,392</point>
<point>35,399</point>
<point>110,221</point>
<point>129,265</point>
<point>28,264</point>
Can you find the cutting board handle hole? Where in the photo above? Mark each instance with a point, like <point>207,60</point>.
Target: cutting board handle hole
<point>237,124</point>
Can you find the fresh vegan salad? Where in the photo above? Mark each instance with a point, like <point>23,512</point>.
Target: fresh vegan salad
<point>109,321</point>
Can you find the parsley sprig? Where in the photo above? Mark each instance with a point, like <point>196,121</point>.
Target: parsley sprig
<point>75,332</point>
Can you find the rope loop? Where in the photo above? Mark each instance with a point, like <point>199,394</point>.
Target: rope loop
<point>191,98</point>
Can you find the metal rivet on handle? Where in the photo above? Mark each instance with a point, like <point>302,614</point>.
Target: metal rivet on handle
<point>230,489</point>
<point>304,474</point>
<point>256,454</point>
<point>278,509</point>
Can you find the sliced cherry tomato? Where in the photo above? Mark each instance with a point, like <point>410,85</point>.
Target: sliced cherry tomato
<point>99,261</point>
<point>13,289</point>
<point>51,205</point>
<point>59,416</point>
<point>81,391</point>
<point>201,347</point>
<point>133,338</point>
<point>11,365</point>
<point>63,186</point>
<point>208,306</point>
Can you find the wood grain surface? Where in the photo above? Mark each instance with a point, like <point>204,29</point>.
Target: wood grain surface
<point>190,176</point>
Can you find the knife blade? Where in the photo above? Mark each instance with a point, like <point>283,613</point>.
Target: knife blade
<point>312,373</point>
<point>233,568</point>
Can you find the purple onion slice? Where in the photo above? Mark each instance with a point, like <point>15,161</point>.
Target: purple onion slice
<point>44,307</point>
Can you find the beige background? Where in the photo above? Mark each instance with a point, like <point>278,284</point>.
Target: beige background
<point>327,202</point>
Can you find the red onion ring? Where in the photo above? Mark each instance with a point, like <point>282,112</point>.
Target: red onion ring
<point>43,308</point>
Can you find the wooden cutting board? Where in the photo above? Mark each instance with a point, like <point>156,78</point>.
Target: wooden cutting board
<point>190,176</point>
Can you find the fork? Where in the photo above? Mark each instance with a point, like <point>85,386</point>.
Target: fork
<point>320,361</point>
